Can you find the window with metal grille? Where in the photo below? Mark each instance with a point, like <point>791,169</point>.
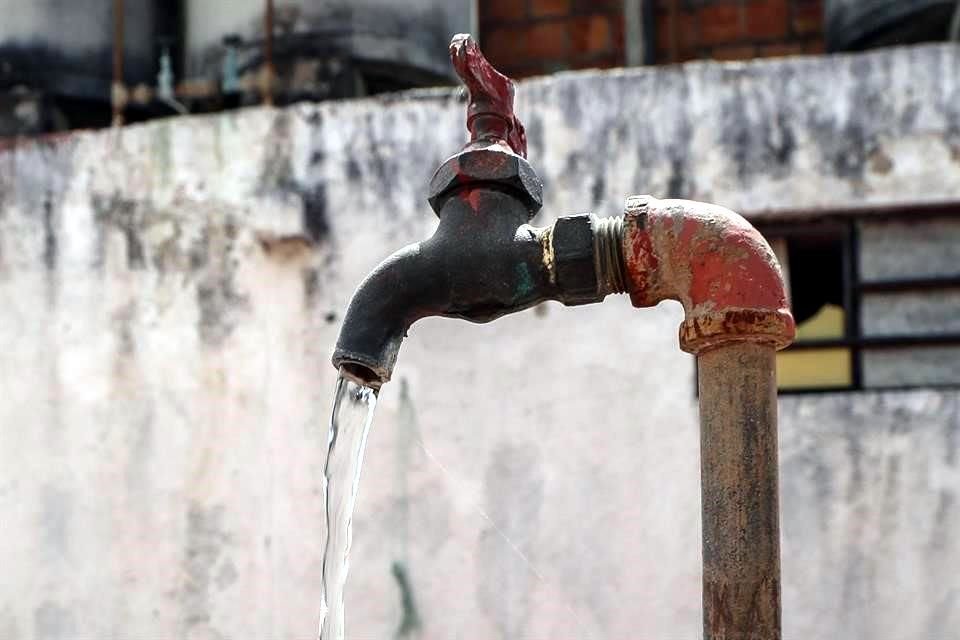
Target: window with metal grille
<point>876,297</point>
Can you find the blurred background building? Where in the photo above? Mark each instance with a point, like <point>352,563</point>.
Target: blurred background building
<point>69,65</point>
<point>152,58</point>
<point>171,292</point>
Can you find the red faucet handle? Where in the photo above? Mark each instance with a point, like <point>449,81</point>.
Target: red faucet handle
<point>490,113</point>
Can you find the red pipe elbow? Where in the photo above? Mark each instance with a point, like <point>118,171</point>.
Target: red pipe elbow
<point>714,263</point>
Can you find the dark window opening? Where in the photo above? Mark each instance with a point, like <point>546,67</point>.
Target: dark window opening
<point>876,301</point>
<point>815,272</point>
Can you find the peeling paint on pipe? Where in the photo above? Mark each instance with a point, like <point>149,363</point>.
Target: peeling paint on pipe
<point>715,264</point>
<point>736,316</point>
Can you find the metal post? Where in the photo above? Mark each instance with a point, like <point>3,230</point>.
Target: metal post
<point>635,40</point>
<point>268,70</point>
<point>118,92</point>
<point>739,476</point>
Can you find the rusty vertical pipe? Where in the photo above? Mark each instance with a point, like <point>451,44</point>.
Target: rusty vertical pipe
<point>118,89</point>
<point>739,477</point>
<point>736,316</point>
<point>268,71</point>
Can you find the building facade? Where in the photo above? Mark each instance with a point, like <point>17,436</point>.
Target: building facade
<point>171,293</point>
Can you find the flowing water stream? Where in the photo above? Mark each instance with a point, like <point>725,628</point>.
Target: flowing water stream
<point>353,408</point>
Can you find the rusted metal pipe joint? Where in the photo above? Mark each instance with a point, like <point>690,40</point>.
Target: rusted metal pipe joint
<point>714,263</point>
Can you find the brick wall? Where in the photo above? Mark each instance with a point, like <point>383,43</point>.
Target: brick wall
<point>532,37</point>
<point>737,29</point>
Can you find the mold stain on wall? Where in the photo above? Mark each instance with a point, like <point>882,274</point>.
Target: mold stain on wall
<point>206,543</point>
<point>513,496</point>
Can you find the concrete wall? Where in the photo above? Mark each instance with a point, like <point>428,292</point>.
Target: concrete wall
<point>170,295</point>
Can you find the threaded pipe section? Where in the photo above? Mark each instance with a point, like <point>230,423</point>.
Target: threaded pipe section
<point>608,255</point>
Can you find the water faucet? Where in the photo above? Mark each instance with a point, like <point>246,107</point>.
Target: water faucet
<point>485,260</point>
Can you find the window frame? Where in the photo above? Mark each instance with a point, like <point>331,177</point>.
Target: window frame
<point>854,288</point>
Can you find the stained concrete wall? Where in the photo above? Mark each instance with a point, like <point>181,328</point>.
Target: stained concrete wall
<point>171,292</point>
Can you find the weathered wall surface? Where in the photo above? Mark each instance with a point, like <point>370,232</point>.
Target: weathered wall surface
<point>170,295</point>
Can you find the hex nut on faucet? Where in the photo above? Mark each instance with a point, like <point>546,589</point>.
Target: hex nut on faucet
<point>573,256</point>
<point>487,165</point>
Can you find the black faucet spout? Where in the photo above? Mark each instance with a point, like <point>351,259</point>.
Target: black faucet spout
<point>400,290</point>
<point>483,261</point>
